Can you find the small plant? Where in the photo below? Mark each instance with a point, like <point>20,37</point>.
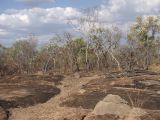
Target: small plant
<point>138,101</point>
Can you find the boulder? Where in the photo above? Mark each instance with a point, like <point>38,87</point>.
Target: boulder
<point>114,99</point>
<point>113,107</point>
<point>103,108</point>
<point>112,104</point>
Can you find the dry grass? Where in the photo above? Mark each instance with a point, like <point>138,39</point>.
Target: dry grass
<point>155,67</point>
<point>137,101</point>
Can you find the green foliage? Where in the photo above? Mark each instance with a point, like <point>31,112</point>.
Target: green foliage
<point>144,30</point>
<point>143,36</point>
<point>76,45</point>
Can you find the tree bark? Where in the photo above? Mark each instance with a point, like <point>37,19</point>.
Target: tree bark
<point>118,64</point>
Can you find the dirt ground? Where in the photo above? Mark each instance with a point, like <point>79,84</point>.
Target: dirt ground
<point>27,90</point>
<point>73,97</point>
<point>140,89</point>
<point>51,110</point>
<point>129,88</point>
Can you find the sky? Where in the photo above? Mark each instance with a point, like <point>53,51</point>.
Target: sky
<point>43,18</point>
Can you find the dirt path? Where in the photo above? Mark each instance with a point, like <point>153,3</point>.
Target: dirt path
<point>51,109</point>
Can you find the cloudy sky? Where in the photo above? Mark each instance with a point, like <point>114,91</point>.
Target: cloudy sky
<point>20,18</point>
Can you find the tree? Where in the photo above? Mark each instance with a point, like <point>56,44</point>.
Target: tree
<point>76,47</point>
<point>143,34</point>
<point>24,53</point>
<point>86,25</point>
<point>50,51</point>
<point>1,59</point>
<point>106,40</point>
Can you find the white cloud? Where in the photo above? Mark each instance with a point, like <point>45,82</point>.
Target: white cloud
<point>3,32</point>
<point>14,20</point>
<point>115,5</point>
<point>17,23</point>
<point>147,6</point>
<point>37,16</point>
<point>125,10</point>
<point>36,20</point>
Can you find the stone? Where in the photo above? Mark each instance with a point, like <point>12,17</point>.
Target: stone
<point>103,108</point>
<point>116,106</point>
<point>114,99</point>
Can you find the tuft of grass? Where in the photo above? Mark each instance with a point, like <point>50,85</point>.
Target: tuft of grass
<point>137,101</point>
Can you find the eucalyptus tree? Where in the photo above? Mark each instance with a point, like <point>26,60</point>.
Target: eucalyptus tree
<point>76,47</point>
<point>106,41</point>
<point>111,44</point>
<point>51,51</point>
<point>24,53</point>
<point>1,59</point>
<point>86,25</point>
<point>143,35</point>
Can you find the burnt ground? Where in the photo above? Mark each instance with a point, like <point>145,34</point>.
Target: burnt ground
<point>51,110</point>
<point>139,88</point>
<point>76,97</point>
<point>27,90</point>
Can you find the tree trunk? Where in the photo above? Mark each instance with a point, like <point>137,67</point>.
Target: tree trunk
<point>118,64</point>
<point>77,67</point>
<point>98,59</point>
<point>87,66</point>
<point>46,65</point>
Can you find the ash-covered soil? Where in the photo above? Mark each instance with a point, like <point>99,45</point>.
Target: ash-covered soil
<point>73,97</point>
<point>27,90</point>
<point>51,110</point>
<point>139,88</point>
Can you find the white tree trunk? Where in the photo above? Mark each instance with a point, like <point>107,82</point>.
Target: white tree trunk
<point>118,64</point>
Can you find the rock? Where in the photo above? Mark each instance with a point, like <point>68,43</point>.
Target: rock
<point>112,104</point>
<point>113,107</point>
<point>114,99</point>
<point>103,108</point>
<point>119,109</point>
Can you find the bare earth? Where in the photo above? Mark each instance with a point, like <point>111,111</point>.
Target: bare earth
<point>51,110</point>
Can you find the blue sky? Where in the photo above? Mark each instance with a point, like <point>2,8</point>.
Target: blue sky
<point>20,18</point>
<point>18,4</point>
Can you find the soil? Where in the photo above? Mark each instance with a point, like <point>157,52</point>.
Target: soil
<point>24,91</point>
<point>139,89</point>
<point>49,97</point>
<point>126,87</point>
<point>51,110</point>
